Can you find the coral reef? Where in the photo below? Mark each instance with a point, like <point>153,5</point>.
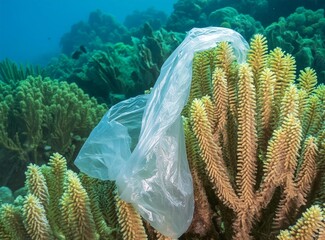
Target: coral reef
<point>59,204</point>
<point>155,18</point>
<point>230,18</point>
<point>100,28</point>
<point>36,120</point>
<point>189,13</point>
<point>143,50</point>
<point>113,72</point>
<point>186,15</point>
<point>255,142</point>
<point>255,133</point>
<point>301,34</point>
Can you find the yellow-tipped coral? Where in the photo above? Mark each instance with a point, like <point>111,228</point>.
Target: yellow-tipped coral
<point>307,80</point>
<point>260,146</point>
<point>130,221</point>
<point>12,222</point>
<point>247,137</point>
<point>61,206</point>
<point>76,213</point>
<point>257,56</point>
<point>36,184</point>
<point>307,227</point>
<point>36,222</point>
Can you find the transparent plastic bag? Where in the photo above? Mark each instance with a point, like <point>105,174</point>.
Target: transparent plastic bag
<point>140,143</point>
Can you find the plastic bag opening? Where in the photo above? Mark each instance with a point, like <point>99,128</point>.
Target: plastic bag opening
<point>139,143</point>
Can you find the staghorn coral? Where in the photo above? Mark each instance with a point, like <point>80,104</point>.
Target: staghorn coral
<point>36,120</point>
<point>257,141</point>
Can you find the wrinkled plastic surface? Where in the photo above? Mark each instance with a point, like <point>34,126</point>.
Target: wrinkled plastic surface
<point>140,143</point>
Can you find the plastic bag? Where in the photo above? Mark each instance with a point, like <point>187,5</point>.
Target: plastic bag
<point>140,142</point>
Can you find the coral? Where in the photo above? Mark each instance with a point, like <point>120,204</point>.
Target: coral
<point>11,73</point>
<point>6,195</point>
<point>36,222</point>
<point>114,72</point>
<point>154,17</point>
<point>309,226</point>
<point>99,73</point>
<point>11,222</point>
<point>130,221</point>
<point>77,207</point>
<point>258,138</point>
<point>76,212</point>
<point>230,18</point>
<point>307,80</point>
<point>302,35</point>
<point>100,27</point>
<point>187,14</point>
<point>36,120</point>
<point>195,13</point>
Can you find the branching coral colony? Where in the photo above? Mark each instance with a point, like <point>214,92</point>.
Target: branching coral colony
<point>256,144</point>
<point>62,205</point>
<point>255,141</point>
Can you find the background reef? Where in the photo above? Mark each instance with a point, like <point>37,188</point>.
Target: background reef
<point>299,31</point>
<point>53,108</point>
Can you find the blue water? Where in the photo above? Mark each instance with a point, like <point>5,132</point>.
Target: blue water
<point>30,30</point>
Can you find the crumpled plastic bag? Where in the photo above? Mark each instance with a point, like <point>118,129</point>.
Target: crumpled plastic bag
<point>140,144</point>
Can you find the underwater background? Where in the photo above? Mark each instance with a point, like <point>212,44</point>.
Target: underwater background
<point>64,63</point>
<point>31,30</point>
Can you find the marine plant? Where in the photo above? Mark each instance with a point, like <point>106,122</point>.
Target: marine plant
<point>36,119</point>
